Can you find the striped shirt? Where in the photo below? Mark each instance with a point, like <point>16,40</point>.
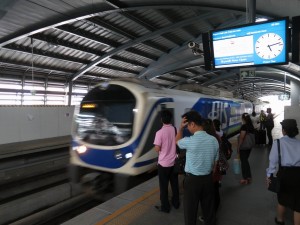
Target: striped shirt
<point>201,152</point>
<point>289,151</point>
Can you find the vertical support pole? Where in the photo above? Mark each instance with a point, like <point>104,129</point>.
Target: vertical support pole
<point>46,88</point>
<point>284,82</point>
<point>295,93</point>
<point>22,93</point>
<point>251,11</point>
<point>70,92</point>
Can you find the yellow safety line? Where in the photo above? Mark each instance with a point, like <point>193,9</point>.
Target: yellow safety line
<point>126,207</point>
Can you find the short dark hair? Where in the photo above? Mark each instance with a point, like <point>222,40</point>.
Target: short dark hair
<point>248,122</point>
<point>166,116</point>
<point>193,116</point>
<point>290,127</point>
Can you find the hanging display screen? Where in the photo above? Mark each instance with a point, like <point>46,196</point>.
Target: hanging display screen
<point>250,45</point>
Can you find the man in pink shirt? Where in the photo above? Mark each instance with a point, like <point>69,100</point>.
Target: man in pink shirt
<point>165,146</point>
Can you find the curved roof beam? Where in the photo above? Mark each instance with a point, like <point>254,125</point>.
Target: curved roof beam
<point>235,72</point>
<point>187,59</point>
<point>172,61</point>
<point>51,23</point>
<point>146,37</point>
<point>291,68</point>
<point>88,12</point>
<point>191,78</point>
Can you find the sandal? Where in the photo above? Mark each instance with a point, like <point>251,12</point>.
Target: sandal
<point>243,181</point>
<point>278,222</point>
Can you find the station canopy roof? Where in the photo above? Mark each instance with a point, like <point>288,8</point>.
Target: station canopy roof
<point>87,41</point>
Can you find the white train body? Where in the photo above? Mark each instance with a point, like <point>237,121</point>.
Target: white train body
<point>115,128</point>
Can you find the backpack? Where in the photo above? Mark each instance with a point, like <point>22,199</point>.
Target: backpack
<point>226,147</point>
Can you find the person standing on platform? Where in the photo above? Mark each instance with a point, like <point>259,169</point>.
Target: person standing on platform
<point>201,157</point>
<point>262,119</point>
<point>255,121</point>
<point>289,193</point>
<point>247,128</point>
<point>165,145</point>
<point>209,127</point>
<point>217,125</point>
<point>269,126</point>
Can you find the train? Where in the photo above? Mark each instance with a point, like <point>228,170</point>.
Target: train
<point>114,130</point>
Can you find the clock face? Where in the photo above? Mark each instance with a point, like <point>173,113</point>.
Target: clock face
<point>268,46</point>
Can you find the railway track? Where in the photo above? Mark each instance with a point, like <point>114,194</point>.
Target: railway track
<point>35,189</point>
<point>34,180</point>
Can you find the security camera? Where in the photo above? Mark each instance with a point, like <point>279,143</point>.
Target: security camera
<point>192,45</point>
<point>195,48</point>
<point>197,51</point>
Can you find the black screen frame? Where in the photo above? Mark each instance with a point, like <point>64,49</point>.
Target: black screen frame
<point>287,44</point>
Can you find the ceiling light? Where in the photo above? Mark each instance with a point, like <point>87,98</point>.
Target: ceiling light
<point>52,45</point>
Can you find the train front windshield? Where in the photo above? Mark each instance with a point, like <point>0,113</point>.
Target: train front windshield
<point>106,116</point>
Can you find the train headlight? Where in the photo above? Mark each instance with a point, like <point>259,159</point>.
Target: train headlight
<point>80,149</point>
<point>128,155</point>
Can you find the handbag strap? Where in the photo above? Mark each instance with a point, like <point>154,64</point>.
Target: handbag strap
<point>279,155</point>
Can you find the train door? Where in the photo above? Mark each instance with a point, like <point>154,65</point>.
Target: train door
<point>156,125</point>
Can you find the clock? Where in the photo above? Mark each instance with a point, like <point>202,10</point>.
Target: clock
<point>269,46</point>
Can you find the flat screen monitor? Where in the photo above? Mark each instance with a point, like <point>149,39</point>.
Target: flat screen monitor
<point>257,44</point>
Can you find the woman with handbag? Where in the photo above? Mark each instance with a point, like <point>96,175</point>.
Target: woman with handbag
<point>208,126</point>
<point>288,194</point>
<point>246,141</point>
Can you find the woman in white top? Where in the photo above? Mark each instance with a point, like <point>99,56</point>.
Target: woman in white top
<point>289,193</point>
<point>255,120</point>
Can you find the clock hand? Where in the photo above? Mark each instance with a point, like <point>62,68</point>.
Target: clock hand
<point>269,47</point>
<point>274,44</point>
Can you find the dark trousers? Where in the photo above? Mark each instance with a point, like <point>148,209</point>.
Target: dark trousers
<point>166,175</point>
<point>269,134</point>
<point>245,166</point>
<point>217,195</point>
<point>199,189</point>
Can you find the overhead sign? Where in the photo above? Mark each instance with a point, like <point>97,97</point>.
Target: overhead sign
<point>247,72</point>
<point>256,44</point>
<point>284,97</point>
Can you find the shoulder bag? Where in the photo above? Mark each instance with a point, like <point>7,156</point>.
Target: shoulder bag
<point>179,160</point>
<point>179,164</point>
<point>274,185</point>
<point>249,141</point>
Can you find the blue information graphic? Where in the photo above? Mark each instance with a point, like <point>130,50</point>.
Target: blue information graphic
<point>252,45</point>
